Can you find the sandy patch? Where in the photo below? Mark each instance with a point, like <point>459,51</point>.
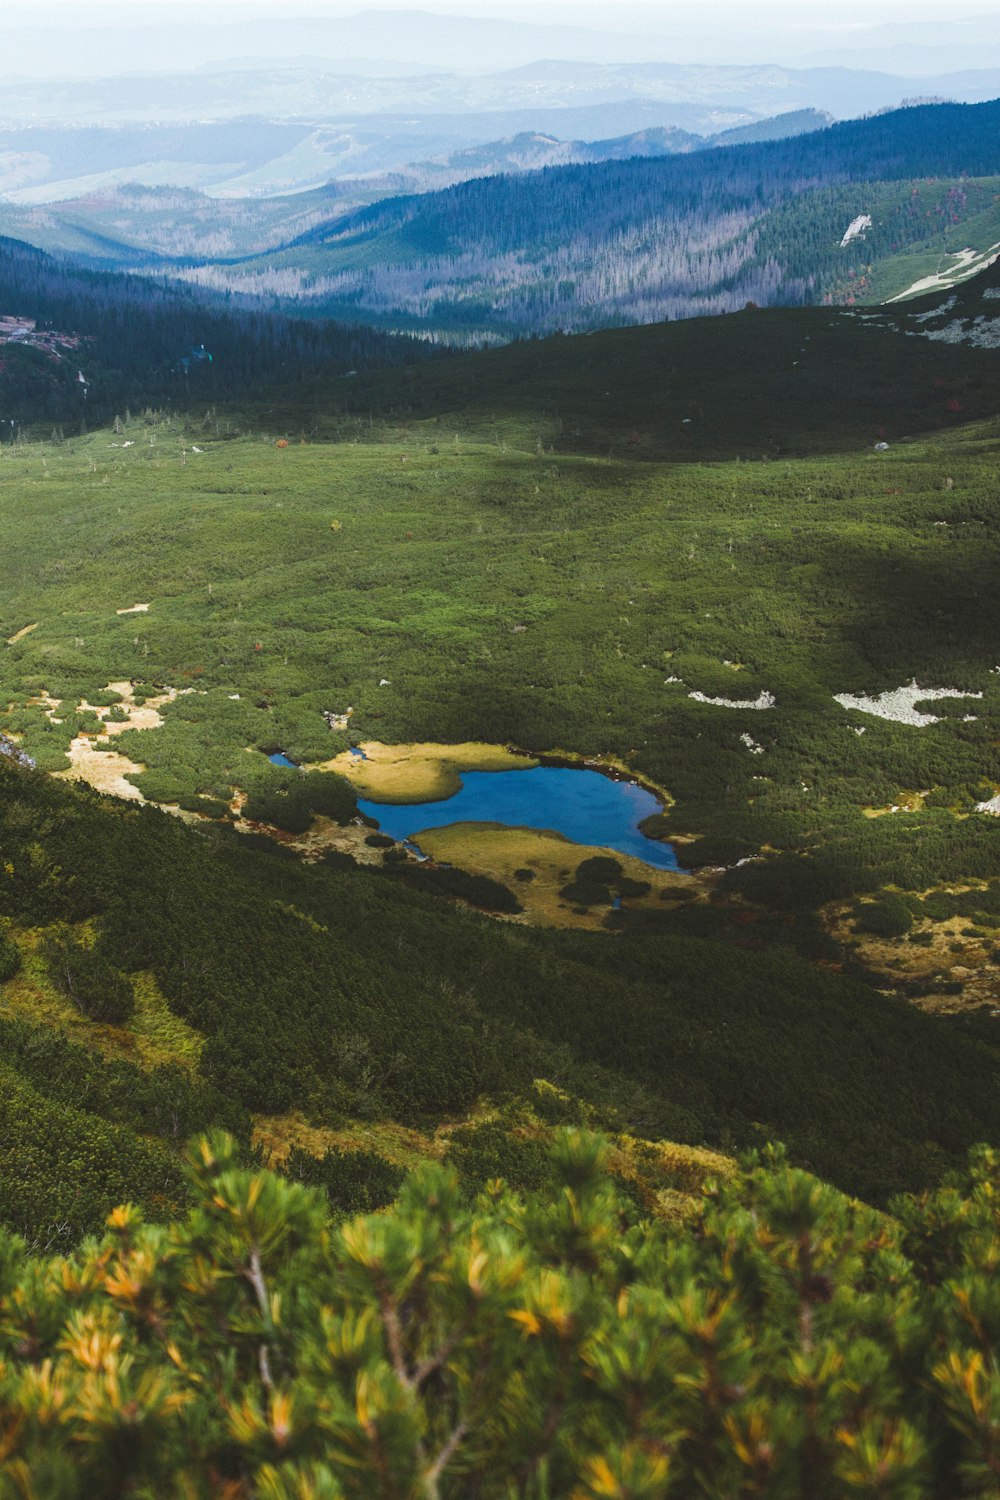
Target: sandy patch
<point>133,609</point>
<point>107,770</point>
<point>19,635</point>
<point>104,770</point>
<point>898,705</point>
<point>421,772</point>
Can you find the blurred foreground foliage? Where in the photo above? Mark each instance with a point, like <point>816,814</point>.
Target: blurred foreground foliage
<point>786,1342</point>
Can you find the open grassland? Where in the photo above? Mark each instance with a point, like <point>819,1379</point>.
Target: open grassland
<point>486,593</point>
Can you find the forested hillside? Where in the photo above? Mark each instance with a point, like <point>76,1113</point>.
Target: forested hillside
<point>644,240</point>
<point>129,223</point>
<point>138,341</point>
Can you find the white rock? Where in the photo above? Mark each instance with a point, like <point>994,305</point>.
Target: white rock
<point>763,700</point>
<point>898,705</point>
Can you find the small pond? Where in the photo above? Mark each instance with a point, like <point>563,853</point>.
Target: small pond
<point>584,806</point>
<point>280,759</point>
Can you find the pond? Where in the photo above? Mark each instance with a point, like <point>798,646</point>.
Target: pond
<point>584,806</point>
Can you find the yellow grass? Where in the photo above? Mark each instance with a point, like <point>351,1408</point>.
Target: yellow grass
<point>421,772</point>
<point>155,1036</point>
<point>669,1177</point>
<point>19,635</point>
<point>277,1135</point>
<point>493,849</point>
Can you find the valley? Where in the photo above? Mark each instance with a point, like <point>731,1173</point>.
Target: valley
<point>499,755</point>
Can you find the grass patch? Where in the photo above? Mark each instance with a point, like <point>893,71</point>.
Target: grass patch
<point>420,773</point>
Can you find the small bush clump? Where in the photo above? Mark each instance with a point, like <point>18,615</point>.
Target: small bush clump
<point>98,990</point>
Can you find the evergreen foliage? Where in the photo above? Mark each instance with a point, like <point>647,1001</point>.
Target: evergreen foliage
<point>135,341</point>
<point>83,974</point>
<point>343,991</point>
<point>10,958</point>
<point>785,1342</point>
<point>356,1182</point>
<point>650,239</point>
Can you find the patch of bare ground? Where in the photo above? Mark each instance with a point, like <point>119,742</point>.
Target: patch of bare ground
<point>944,955</point>
<point>107,770</point>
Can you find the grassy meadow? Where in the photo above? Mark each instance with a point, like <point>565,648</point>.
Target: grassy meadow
<point>476,591</point>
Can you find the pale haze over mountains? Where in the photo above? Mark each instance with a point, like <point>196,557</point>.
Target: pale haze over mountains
<point>136,132</point>
<point>387,89</point>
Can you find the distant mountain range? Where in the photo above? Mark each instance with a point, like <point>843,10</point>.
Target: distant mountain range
<point>413,41</point>
<point>113,224</point>
<point>337,91</point>
<point>859,212</point>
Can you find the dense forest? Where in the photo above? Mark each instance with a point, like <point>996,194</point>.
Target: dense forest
<point>140,341</point>
<point>642,240</point>
<point>345,992</point>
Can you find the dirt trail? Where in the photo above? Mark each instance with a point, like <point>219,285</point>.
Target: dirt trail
<point>19,635</point>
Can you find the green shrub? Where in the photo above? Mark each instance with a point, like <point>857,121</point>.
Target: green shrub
<point>356,1182</point>
<point>601,869</point>
<point>567,1339</point>
<point>10,958</point>
<point>292,800</point>
<point>379,840</point>
<point>445,880</point>
<point>888,917</point>
<point>99,990</point>
<point>480,1153</point>
<point>586,893</point>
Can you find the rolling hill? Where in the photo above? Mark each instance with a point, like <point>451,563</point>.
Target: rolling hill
<point>129,214</point>
<point>639,241</point>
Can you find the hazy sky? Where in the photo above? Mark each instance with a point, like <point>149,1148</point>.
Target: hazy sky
<point>39,34</point>
<point>604,14</point>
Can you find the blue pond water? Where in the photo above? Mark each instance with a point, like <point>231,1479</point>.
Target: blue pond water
<point>582,805</point>
<point>277,759</point>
